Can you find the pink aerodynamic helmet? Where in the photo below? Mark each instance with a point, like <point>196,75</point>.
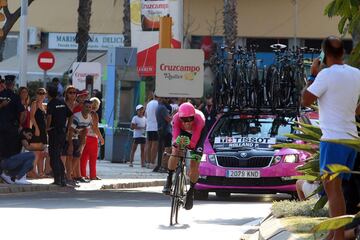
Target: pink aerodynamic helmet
<point>186,110</point>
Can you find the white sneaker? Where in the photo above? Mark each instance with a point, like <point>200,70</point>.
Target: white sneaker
<point>22,181</point>
<point>6,178</point>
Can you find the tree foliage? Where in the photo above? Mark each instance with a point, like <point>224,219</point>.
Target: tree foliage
<point>230,22</point>
<point>82,36</point>
<point>348,11</point>
<point>11,19</point>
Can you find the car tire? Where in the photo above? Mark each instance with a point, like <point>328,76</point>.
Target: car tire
<point>201,195</point>
<point>223,194</point>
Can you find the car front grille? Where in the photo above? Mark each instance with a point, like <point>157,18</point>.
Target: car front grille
<point>259,182</point>
<point>252,162</point>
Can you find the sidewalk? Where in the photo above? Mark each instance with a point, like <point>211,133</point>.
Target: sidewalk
<point>113,175</point>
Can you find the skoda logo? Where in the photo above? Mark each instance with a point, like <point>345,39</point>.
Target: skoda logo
<point>243,155</point>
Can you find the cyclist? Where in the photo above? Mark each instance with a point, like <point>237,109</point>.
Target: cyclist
<point>190,123</point>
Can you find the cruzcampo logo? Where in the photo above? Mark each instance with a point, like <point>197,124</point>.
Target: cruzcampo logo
<point>173,72</point>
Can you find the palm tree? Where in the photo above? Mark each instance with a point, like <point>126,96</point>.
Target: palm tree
<point>230,22</point>
<point>11,19</point>
<point>82,36</point>
<point>349,14</point>
<point>126,21</point>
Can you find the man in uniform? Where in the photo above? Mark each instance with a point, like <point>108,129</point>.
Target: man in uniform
<point>12,114</point>
<point>57,116</point>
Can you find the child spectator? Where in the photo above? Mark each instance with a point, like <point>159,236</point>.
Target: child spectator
<point>138,124</point>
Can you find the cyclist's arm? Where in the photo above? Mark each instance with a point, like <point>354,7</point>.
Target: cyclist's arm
<point>176,128</point>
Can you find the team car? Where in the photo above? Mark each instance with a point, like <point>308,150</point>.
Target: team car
<point>239,156</point>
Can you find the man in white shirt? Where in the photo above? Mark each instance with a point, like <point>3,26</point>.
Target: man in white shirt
<point>337,89</point>
<point>151,131</point>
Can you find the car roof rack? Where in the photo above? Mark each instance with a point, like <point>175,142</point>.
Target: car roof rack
<point>285,112</point>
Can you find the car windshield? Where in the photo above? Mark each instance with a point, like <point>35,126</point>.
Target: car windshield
<point>268,127</point>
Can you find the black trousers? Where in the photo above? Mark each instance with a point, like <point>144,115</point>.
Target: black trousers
<point>163,142</point>
<point>351,189</point>
<point>56,144</point>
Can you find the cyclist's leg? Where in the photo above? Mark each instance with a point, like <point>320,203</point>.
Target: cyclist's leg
<point>172,164</point>
<point>194,169</point>
<point>197,153</point>
<point>173,160</point>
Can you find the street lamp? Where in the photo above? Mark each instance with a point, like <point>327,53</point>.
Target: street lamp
<point>23,43</point>
<point>295,2</point>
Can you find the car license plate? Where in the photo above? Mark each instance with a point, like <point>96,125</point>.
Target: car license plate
<point>243,174</point>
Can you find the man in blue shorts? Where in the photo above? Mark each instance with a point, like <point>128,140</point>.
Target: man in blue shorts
<point>337,89</point>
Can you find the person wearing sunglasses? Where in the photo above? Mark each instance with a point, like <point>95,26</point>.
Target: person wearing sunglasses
<point>38,121</point>
<point>188,122</point>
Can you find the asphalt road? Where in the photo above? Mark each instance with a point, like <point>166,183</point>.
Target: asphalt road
<point>126,214</point>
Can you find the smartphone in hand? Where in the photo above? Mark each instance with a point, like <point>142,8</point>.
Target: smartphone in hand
<point>322,57</point>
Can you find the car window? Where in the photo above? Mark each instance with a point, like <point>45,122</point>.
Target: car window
<point>252,127</point>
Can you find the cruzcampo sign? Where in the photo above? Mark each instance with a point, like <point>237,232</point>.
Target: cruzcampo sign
<point>180,73</point>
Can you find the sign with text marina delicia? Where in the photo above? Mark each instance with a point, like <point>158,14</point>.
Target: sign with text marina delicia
<point>180,73</point>
<point>97,41</point>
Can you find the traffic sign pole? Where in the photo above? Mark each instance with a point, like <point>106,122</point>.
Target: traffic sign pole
<point>44,81</point>
<point>23,43</point>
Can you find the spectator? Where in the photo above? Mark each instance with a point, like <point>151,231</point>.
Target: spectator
<point>2,84</point>
<point>38,121</point>
<point>174,106</point>
<point>209,112</point>
<point>99,95</point>
<point>60,88</point>
<point>25,101</point>
<point>90,152</point>
<point>57,116</point>
<point>337,90</point>
<point>165,134</point>
<point>305,189</point>
<point>82,96</point>
<point>12,117</point>
<point>70,101</point>
<point>138,124</point>
<point>151,131</point>
<point>80,123</point>
<point>14,168</point>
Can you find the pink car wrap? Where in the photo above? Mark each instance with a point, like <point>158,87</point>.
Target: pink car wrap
<point>250,170</point>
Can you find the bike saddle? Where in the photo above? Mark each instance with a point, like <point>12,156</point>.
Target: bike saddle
<point>278,46</point>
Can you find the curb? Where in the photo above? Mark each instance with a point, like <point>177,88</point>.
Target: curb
<point>13,188</point>
<point>133,185</point>
<point>6,188</point>
<point>272,229</point>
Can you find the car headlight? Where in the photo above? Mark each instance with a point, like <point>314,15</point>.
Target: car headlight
<point>292,158</point>
<point>212,158</point>
<point>276,160</point>
<point>203,158</point>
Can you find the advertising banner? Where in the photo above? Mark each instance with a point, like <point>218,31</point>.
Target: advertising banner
<point>81,70</point>
<point>66,41</point>
<point>180,73</point>
<point>145,24</point>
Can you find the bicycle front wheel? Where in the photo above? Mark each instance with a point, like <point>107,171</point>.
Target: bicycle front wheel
<point>175,200</point>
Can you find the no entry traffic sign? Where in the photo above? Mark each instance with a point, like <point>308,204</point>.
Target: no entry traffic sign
<point>46,60</point>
